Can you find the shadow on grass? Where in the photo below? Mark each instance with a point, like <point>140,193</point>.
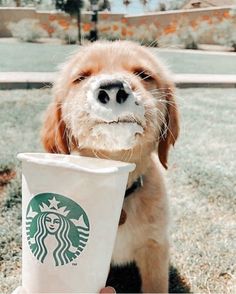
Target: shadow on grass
<point>177,282</point>
<point>126,279</point>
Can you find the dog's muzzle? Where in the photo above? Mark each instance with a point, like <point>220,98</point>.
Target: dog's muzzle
<point>117,112</point>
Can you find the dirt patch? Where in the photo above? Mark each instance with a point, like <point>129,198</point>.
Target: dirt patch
<point>5,177</point>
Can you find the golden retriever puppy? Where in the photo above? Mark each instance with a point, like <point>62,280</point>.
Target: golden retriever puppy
<point>115,100</point>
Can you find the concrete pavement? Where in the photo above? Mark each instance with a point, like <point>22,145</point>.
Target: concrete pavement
<point>205,81</point>
<point>26,80</point>
<point>37,80</point>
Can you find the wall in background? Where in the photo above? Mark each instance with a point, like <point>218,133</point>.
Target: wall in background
<point>165,26</point>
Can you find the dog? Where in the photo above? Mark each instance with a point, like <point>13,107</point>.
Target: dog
<point>116,100</point>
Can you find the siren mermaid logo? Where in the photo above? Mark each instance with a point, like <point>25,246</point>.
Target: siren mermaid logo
<point>57,228</point>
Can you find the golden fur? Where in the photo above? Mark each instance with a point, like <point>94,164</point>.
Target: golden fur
<point>68,129</point>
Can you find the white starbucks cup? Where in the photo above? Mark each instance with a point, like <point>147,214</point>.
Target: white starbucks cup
<point>70,212</point>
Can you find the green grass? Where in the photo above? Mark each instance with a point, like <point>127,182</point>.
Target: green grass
<point>199,63</point>
<point>201,184</point>
<point>202,190</point>
<point>45,57</point>
<point>21,117</point>
<point>31,57</point>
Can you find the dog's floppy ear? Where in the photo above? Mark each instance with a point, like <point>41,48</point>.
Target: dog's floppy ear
<point>54,134</point>
<point>170,129</point>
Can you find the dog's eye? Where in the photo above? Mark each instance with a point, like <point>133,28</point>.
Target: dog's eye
<point>82,76</point>
<point>143,75</point>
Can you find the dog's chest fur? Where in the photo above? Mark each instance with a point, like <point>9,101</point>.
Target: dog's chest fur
<point>131,234</point>
<point>147,215</point>
<point>145,221</point>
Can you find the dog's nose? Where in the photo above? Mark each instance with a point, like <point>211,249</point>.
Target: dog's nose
<point>121,96</point>
<point>113,90</point>
<point>103,97</point>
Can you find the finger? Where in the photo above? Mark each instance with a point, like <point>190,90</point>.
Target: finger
<point>107,290</point>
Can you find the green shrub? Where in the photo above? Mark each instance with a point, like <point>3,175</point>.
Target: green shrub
<point>68,35</point>
<point>27,30</point>
<point>225,33</point>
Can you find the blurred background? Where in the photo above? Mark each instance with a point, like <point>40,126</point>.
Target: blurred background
<point>182,24</point>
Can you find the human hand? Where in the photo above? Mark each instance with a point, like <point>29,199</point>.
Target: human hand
<point>107,290</point>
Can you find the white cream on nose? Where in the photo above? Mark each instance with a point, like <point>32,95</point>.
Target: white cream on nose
<point>114,133</point>
<point>112,110</point>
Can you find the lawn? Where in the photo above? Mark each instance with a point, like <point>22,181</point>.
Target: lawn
<point>201,184</point>
<point>45,58</point>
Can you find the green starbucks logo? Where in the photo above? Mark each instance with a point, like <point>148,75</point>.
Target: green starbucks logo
<point>57,228</point>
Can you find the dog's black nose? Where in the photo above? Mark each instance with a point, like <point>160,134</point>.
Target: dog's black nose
<point>112,90</point>
<point>103,97</point>
<point>121,96</point>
